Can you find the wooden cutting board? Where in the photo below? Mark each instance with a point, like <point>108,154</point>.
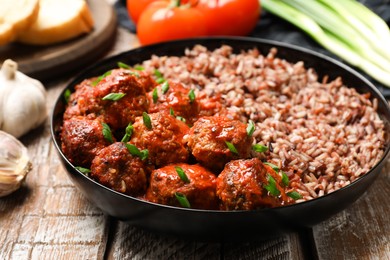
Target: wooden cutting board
<point>48,62</point>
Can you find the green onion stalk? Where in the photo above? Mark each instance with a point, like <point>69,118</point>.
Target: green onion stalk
<point>346,28</point>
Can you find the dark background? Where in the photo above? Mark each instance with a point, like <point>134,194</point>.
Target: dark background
<point>274,28</point>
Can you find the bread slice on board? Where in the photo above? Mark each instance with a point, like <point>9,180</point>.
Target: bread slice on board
<point>58,20</point>
<point>16,16</point>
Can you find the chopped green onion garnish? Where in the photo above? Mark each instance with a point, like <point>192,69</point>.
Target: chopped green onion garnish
<point>114,96</point>
<point>83,170</point>
<point>133,150</point>
<point>67,94</point>
<point>139,67</point>
<point>285,179</point>
<point>294,195</point>
<point>171,112</point>
<point>147,120</point>
<point>160,80</point>
<point>128,133</point>
<point>271,186</point>
<point>158,74</point>
<point>155,95</point>
<point>273,166</point>
<point>250,129</point>
<point>182,200</point>
<point>165,87</point>
<point>259,148</point>
<point>96,81</point>
<point>191,95</point>
<point>231,147</point>
<point>107,133</point>
<point>182,174</point>
<point>123,65</point>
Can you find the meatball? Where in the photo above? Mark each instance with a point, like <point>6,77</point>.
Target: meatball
<point>117,112</point>
<point>199,190</point>
<point>173,95</point>
<point>116,168</point>
<point>82,139</point>
<point>163,138</point>
<point>209,138</point>
<point>83,91</point>
<point>241,186</point>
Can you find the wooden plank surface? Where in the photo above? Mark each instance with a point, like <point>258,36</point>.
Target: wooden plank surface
<point>49,219</point>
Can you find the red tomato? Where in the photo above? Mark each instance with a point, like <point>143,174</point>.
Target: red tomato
<point>162,21</point>
<point>136,7</point>
<point>230,17</point>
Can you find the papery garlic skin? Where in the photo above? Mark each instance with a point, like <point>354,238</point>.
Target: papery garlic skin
<point>14,163</point>
<point>22,101</point>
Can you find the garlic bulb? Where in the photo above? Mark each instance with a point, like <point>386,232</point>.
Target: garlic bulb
<point>14,163</point>
<point>22,101</point>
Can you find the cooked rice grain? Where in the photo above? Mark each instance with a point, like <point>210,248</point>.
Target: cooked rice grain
<point>324,135</point>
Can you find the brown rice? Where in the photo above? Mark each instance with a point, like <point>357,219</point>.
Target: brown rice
<point>324,135</point>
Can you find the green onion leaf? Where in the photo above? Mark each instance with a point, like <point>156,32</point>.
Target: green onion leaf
<point>285,179</point>
<point>139,67</point>
<point>128,133</point>
<point>182,174</point>
<point>83,170</point>
<point>165,87</point>
<point>182,200</point>
<point>271,186</point>
<point>259,148</point>
<point>250,128</point>
<point>123,65</point>
<point>231,147</point>
<point>294,195</point>
<point>171,112</point>
<point>114,96</point>
<point>273,166</point>
<point>67,94</point>
<point>133,150</point>
<point>155,95</point>
<point>191,95</point>
<point>147,120</point>
<point>96,81</point>
<point>158,74</point>
<point>107,132</point>
<point>160,80</point>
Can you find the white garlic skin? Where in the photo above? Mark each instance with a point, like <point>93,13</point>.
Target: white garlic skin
<point>22,101</point>
<point>14,163</point>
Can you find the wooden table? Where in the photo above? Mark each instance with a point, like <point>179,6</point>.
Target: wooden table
<point>48,218</point>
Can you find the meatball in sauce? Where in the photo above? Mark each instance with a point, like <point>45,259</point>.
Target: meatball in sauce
<point>162,135</point>
<point>116,168</point>
<point>210,137</point>
<point>198,187</point>
<point>242,185</point>
<point>173,97</point>
<point>82,139</point>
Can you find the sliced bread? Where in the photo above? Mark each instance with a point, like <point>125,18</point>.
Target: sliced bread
<point>58,20</point>
<point>15,17</point>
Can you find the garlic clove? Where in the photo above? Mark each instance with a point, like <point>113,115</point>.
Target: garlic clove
<point>14,163</point>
